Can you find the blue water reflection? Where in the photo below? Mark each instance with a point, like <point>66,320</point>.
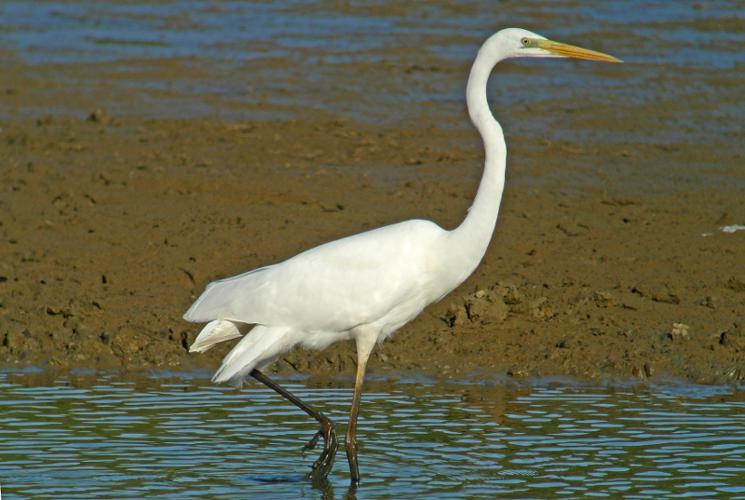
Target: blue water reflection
<point>93,438</point>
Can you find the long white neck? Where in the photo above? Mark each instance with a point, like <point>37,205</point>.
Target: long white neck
<point>471,239</point>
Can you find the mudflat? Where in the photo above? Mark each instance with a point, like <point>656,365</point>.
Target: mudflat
<point>612,258</point>
<point>111,230</point>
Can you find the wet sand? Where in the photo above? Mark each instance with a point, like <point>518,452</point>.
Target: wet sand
<point>113,223</point>
<point>111,230</point>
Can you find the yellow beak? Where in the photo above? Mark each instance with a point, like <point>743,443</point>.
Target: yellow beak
<point>565,50</point>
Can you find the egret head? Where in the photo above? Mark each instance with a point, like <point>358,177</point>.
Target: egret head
<point>516,42</point>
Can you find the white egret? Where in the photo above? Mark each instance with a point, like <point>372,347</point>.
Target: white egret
<point>365,287</point>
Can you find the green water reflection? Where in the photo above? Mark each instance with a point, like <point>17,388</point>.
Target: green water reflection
<point>94,437</point>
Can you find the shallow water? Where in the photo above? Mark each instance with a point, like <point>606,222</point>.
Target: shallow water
<point>383,61</point>
<point>89,437</point>
<point>671,110</point>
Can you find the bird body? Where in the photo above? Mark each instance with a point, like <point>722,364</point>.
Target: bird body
<point>377,281</point>
<point>364,287</point>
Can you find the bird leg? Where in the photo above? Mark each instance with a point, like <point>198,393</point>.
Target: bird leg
<point>314,440</point>
<point>325,462</point>
<point>326,432</point>
<point>364,347</point>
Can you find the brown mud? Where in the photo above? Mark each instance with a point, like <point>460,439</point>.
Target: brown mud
<point>111,226</point>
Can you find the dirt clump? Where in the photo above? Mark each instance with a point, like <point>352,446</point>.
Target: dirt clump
<point>110,227</point>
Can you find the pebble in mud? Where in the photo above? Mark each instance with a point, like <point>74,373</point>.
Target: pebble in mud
<point>736,284</point>
<point>486,307</point>
<point>733,337</point>
<point>644,372</point>
<point>678,332</point>
<point>539,308</point>
<point>99,116</point>
<point>518,372</point>
<point>482,307</point>
<point>456,315</point>
<point>665,293</point>
<point>13,334</point>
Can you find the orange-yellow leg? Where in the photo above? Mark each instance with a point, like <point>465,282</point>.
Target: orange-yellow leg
<point>351,437</point>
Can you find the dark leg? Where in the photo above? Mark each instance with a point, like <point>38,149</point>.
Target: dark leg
<point>351,437</point>
<point>322,466</point>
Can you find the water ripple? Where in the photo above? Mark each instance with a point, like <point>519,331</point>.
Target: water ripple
<point>119,439</point>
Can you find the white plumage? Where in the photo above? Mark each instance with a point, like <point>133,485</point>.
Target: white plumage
<point>368,285</point>
<point>377,280</point>
<point>214,332</point>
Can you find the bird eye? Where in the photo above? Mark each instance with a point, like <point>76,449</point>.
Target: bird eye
<point>525,41</point>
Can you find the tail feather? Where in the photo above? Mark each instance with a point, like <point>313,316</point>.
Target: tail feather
<point>258,347</point>
<point>213,333</point>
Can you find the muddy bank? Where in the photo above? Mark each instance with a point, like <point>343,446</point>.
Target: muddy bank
<point>110,227</point>
<point>235,136</point>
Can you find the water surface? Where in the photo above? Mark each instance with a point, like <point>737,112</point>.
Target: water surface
<point>89,437</point>
<point>384,61</point>
<point>405,65</point>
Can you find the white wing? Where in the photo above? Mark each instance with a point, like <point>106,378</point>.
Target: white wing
<point>213,333</point>
<point>332,287</point>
